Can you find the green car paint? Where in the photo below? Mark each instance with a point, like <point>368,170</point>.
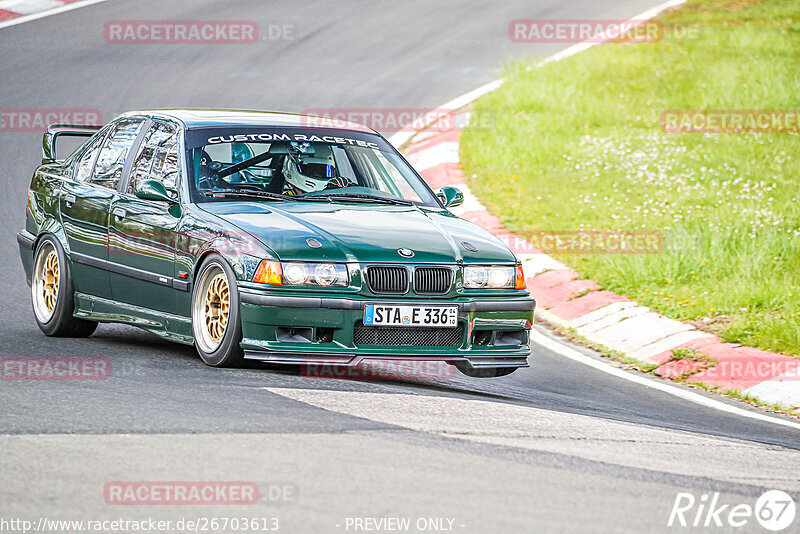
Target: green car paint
<point>134,257</point>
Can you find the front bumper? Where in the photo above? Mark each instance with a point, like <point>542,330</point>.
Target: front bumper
<point>327,326</point>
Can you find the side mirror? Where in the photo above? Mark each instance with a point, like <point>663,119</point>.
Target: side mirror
<point>450,196</point>
<point>152,190</point>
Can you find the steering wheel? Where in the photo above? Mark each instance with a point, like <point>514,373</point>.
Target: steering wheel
<point>208,172</point>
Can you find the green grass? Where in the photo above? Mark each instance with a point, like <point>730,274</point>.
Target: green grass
<point>576,145</point>
<point>694,355</point>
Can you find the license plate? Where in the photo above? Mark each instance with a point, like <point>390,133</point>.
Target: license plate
<point>386,315</point>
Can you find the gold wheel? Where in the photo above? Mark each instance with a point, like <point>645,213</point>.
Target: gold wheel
<point>46,282</point>
<point>50,280</point>
<point>211,308</point>
<point>217,307</point>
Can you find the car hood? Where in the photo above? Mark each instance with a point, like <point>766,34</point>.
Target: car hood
<point>361,232</point>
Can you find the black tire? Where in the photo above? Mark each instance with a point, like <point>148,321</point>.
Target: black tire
<point>60,321</point>
<point>484,372</point>
<point>227,352</point>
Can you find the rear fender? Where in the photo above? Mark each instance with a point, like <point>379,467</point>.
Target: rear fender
<point>44,196</point>
<point>27,249</point>
<point>52,226</point>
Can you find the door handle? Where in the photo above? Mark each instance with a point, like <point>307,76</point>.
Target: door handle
<point>70,199</point>
<point>119,213</point>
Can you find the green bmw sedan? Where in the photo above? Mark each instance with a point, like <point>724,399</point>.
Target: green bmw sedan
<point>267,236</point>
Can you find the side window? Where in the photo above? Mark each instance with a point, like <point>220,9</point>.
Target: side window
<point>83,168</point>
<point>157,158</point>
<point>111,159</point>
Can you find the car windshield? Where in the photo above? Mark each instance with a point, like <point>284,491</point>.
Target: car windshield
<point>286,165</point>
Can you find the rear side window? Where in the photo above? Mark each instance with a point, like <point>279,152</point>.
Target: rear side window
<point>157,158</point>
<point>111,159</point>
<point>83,168</point>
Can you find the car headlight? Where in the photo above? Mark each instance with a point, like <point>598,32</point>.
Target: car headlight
<point>493,277</point>
<point>303,274</point>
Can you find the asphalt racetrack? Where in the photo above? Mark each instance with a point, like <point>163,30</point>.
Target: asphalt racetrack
<point>560,446</point>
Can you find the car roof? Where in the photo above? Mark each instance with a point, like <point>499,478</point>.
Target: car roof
<point>215,118</point>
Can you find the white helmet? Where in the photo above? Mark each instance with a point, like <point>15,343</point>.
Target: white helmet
<point>308,173</point>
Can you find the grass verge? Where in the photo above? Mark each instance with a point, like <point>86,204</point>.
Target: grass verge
<point>577,145</point>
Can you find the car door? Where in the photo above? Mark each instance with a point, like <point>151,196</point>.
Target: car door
<point>142,232</point>
<point>85,202</point>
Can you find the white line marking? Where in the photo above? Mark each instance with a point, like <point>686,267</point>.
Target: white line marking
<point>43,14</point>
<point>580,47</point>
<point>457,103</point>
<point>691,396</point>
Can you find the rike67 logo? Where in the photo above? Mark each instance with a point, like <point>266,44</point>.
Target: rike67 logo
<point>774,510</point>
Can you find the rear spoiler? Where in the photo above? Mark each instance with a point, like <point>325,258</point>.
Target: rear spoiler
<point>57,130</point>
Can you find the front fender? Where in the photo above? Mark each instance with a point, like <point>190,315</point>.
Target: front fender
<point>200,237</point>
<point>242,255</point>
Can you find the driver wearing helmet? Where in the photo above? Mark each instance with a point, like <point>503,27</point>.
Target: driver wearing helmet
<point>306,173</point>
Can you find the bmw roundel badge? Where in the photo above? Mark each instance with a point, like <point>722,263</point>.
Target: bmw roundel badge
<point>406,252</point>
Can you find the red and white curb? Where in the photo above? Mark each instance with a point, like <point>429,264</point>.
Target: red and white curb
<point>13,12</point>
<point>608,319</point>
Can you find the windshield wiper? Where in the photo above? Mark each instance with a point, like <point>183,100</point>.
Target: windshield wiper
<point>245,193</point>
<point>313,198</point>
<point>258,194</point>
<point>364,198</point>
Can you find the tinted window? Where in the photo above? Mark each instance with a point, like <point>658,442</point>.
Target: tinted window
<point>342,166</point>
<point>83,168</point>
<point>111,159</point>
<point>157,158</point>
